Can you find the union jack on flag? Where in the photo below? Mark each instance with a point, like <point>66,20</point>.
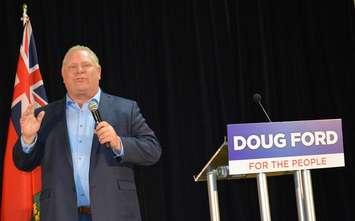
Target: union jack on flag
<point>19,187</point>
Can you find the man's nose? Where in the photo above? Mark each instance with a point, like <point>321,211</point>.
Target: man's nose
<point>80,69</point>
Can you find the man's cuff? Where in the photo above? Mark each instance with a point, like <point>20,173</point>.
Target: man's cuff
<point>27,148</point>
<point>118,153</point>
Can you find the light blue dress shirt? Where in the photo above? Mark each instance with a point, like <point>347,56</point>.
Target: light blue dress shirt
<point>81,128</point>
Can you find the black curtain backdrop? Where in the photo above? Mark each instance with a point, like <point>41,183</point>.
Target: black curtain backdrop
<point>193,66</point>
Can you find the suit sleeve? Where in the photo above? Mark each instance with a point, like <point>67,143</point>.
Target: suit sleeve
<point>27,161</point>
<point>142,146</point>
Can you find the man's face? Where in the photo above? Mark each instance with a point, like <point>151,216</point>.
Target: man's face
<point>81,75</point>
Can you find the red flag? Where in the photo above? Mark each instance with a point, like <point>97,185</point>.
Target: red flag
<point>19,187</point>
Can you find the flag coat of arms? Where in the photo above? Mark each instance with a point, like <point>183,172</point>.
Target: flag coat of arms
<point>19,187</point>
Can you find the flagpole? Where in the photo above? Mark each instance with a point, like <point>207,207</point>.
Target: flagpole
<point>24,17</point>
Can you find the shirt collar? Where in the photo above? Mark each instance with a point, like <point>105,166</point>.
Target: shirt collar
<point>71,102</point>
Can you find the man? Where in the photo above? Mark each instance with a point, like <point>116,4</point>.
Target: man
<point>87,169</point>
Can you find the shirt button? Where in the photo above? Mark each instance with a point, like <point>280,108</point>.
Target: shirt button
<point>81,125</point>
<point>80,141</point>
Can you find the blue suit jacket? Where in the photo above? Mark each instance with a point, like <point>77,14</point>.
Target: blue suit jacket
<point>113,193</point>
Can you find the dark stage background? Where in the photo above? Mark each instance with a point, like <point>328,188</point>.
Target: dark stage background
<point>193,66</point>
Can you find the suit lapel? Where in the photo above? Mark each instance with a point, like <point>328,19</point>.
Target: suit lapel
<point>63,129</point>
<point>104,112</point>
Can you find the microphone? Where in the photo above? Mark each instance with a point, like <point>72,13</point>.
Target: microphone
<point>257,99</point>
<point>94,109</point>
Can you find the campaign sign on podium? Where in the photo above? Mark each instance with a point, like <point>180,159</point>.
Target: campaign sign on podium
<point>285,146</point>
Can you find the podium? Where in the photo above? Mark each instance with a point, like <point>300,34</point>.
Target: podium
<point>275,148</point>
<point>258,150</point>
<point>217,169</point>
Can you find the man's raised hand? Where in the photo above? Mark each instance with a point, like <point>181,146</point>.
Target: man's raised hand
<point>30,124</point>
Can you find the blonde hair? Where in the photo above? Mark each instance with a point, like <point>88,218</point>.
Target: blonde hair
<point>92,54</point>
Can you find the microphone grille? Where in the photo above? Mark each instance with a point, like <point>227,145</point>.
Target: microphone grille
<point>93,105</point>
<point>257,97</point>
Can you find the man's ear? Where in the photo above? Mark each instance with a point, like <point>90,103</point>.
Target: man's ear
<point>62,73</point>
<point>99,72</point>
